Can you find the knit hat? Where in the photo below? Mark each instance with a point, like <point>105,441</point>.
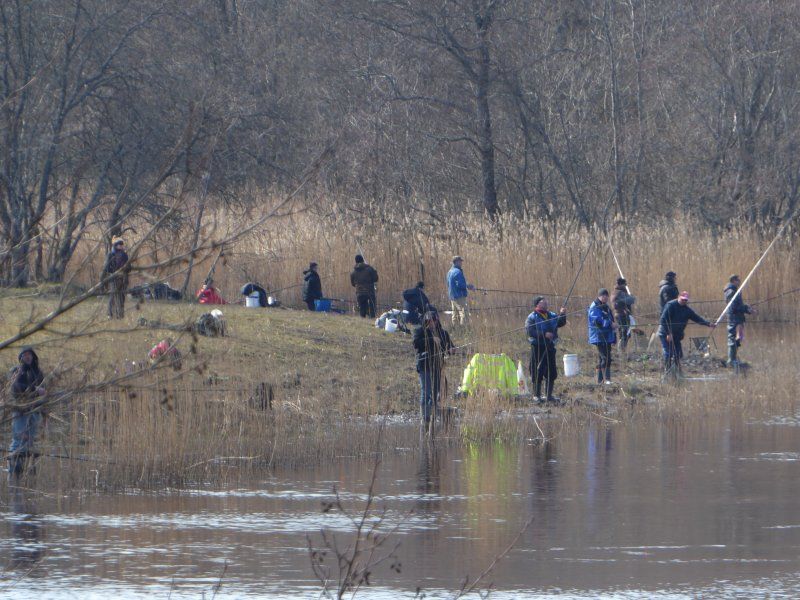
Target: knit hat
<point>670,275</point>
<point>117,240</point>
<point>621,281</point>
<point>602,292</point>
<point>311,265</point>
<point>420,284</point>
<point>359,258</point>
<point>536,301</point>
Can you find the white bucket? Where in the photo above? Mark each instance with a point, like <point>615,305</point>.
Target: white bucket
<point>571,365</point>
<point>391,325</point>
<point>271,301</point>
<point>252,301</point>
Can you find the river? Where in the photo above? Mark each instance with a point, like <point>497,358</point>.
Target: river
<point>666,510</point>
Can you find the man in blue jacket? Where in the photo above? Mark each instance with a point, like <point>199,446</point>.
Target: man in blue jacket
<point>458,290</point>
<point>672,326</point>
<point>736,319</point>
<point>602,333</point>
<point>542,328</point>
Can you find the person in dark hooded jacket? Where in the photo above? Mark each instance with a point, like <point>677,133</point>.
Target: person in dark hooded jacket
<point>26,385</point>
<point>431,344</point>
<point>415,303</point>
<point>312,286</point>
<point>622,302</point>
<point>671,328</point>
<point>736,314</point>
<point>667,289</point>
<point>117,269</point>
<point>363,278</point>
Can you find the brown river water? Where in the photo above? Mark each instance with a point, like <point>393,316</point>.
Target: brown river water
<point>665,510</point>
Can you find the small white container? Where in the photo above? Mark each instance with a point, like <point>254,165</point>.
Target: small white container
<point>391,325</point>
<point>252,301</point>
<point>271,301</point>
<point>571,365</point>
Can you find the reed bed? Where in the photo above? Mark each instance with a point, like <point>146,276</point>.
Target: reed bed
<point>335,377</point>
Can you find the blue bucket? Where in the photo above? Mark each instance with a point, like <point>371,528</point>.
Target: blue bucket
<point>323,305</point>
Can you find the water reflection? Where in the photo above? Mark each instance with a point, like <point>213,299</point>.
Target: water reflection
<point>25,533</point>
<point>680,507</point>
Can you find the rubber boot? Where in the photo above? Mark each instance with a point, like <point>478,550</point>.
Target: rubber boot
<point>733,361</point>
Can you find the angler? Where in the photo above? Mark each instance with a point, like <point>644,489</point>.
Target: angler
<point>431,344</point>
<point>542,327</point>
<point>312,286</point>
<point>736,313</point>
<point>602,334</point>
<point>458,290</point>
<point>117,269</point>
<point>363,278</point>
<point>415,303</point>
<point>672,325</point>
<point>26,384</point>
<point>622,302</point>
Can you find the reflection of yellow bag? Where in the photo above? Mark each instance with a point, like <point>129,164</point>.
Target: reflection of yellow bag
<point>490,372</point>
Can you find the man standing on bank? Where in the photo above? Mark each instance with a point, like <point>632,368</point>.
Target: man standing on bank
<point>458,290</point>
<point>736,318</point>
<point>364,278</point>
<point>602,334</point>
<point>312,286</point>
<point>117,269</point>
<point>26,385</point>
<point>431,344</point>
<point>667,289</point>
<point>672,326</point>
<point>542,328</point>
<point>622,302</point>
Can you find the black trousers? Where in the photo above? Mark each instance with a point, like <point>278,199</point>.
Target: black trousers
<point>604,362</point>
<point>366,305</point>
<point>118,289</point>
<point>543,368</point>
<point>310,304</point>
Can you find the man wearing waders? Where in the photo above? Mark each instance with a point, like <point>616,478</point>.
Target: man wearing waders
<point>602,334</point>
<point>117,269</point>
<point>431,344</point>
<point>26,385</point>
<point>542,328</point>
<point>622,303</point>
<point>736,319</point>
<point>672,325</point>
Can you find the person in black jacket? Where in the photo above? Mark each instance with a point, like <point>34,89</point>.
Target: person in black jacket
<point>667,289</point>
<point>672,325</point>
<point>116,269</point>
<point>736,319</point>
<point>542,327</point>
<point>312,286</point>
<point>431,344</point>
<point>415,303</point>
<point>26,385</point>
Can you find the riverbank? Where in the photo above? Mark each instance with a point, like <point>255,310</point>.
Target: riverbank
<point>288,387</point>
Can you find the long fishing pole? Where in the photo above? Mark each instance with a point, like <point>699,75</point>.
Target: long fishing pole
<point>752,271</point>
<point>577,275</point>
<point>616,262</point>
<point>750,274</point>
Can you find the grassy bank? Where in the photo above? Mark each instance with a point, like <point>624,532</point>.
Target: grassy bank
<point>332,378</point>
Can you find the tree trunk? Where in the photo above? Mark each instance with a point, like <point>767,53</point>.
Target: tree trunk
<point>485,137</point>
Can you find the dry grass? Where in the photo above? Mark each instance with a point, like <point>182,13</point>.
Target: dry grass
<point>334,376</point>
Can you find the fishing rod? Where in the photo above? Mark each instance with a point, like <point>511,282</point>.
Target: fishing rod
<point>738,292</point>
<point>578,274</point>
<point>616,262</point>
